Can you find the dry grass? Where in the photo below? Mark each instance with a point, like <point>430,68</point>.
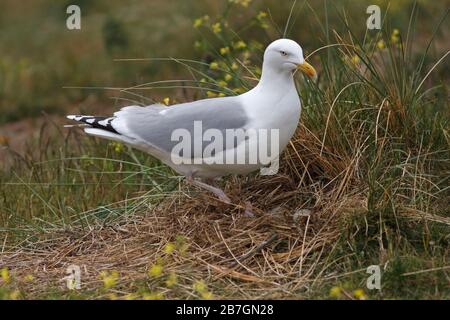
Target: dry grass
<point>280,251</point>
<point>286,251</point>
<point>364,181</point>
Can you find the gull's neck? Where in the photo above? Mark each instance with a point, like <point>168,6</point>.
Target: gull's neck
<point>274,79</point>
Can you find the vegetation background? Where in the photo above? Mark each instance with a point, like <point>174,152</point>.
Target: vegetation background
<point>364,181</point>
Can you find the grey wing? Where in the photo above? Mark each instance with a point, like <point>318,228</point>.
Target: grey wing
<point>154,125</point>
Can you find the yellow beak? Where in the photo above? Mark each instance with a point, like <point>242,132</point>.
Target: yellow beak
<point>307,69</point>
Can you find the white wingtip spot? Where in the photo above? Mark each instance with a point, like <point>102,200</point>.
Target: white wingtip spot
<point>104,122</point>
<point>77,118</point>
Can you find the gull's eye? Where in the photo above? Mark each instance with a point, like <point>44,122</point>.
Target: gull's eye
<point>284,53</point>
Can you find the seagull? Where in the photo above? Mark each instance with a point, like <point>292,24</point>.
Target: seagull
<point>272,105</point>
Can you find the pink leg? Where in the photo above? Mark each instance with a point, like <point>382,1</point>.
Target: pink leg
<point>249,210</point>
<point>216,191</point>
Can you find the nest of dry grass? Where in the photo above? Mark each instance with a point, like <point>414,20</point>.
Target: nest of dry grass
<point>279,252</point>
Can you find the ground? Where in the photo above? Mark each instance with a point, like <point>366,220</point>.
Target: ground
<point>363,184</point>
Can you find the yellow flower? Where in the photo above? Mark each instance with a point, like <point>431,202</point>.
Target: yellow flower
<point>221,94</point>
<point>360,294</point>
<point>153,296</point>
<point>234,66</point>
<point>200,21</point>
<point>216,27</point>
<point>172,280</point>
<point>395,36</point>
<point>155,270</point>
<point>261,15</point>
<point>4,273</point>
<point>381,44</point>
<point>130,296</point>
<point>207,295</point>
<point>118,147</point>
<point>169,247</point>
<point>239,45</point>
<point>28,278</point>
<point>200,286</point>
<point>14,295</point>
<point>224,51</point>
<point>166,101</point>
<point>109,282</point>
<point>243,3</point>
<point>356,59</point>
<point>222,83</point>
<point>228,77</point>
<point>336,292</point>
<point>211,94</point>
<point>214,65</point>
<point>109,279</point>
<point>112,296</point>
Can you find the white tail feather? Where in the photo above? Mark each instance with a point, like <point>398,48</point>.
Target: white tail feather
<point>108,135</point>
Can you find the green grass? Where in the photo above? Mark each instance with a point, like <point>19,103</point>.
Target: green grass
<point>371,159</point>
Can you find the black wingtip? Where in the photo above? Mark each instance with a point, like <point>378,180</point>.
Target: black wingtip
<point>103,123</point>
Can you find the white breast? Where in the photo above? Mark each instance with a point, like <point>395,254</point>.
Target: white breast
<point>274,109</point>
